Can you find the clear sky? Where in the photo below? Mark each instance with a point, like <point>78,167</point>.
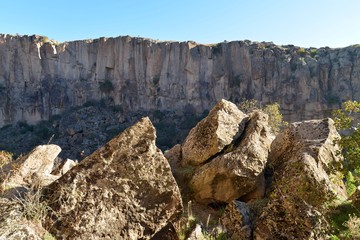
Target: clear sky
<point>307,23</point>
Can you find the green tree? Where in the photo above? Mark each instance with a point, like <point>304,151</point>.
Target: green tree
<point>350,139</point>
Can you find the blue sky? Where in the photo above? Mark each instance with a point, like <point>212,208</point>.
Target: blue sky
<point>307,23</point>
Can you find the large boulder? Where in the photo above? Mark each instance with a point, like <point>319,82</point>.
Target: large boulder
<point>302,159</point>
<point>222,125</point>
<point>33,169</point>
<point>124,190</point>
<point>237,171</point>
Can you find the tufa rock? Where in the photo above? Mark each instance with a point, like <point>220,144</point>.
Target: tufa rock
<point>223,124</point>
<point>124,190</point>
<point>301,159</point>
<point>236,220</point>
<point>237,171</point>
<point>33,169</point>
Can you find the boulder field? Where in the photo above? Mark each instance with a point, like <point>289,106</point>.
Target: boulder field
<point>129,189</point>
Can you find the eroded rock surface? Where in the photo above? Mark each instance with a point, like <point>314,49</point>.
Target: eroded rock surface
<point>301,158</point>
<point>236,220</point>
<point>14,226</point>
<point>124,190</point>
<point>32,169</point>
<point>222,125</point>
<point>41,78</point>
<point>237,171</point>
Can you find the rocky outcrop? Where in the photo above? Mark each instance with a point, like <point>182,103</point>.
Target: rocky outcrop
<point>124,190</point>
<point>33,169</point>
<point>302,159</point>
<point>223,124</point>
<point>14,226</point>
<point>235,172</point>
<point>40,78</point>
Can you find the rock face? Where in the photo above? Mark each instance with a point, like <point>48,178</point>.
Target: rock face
<point>237,171</point>
<point>40,78</point>
<point>32,169</point>
<point>301,158</point>
<point>224,122</point>
<point>124,190</point>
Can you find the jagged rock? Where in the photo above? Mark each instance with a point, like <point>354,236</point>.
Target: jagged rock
<point>258,192</point>
<point>32,169</point>
<point>224,123</point>
<point>301,159</point>
<point>13,226</point>
<point>64,167</point>
<point>124,190</point>
<point>173,155</point>
<point>236,220</point>
<point>236,172</point>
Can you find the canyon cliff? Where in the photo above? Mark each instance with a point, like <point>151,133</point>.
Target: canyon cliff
<point>40,78</point>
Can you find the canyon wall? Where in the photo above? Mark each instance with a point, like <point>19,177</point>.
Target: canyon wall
<point>40,77</point>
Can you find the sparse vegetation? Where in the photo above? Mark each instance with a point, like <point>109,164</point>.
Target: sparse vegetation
<point>106,86</point>
<point>346,217</point>
<point>273,110</point>
<point>33,208</point>
<point>5,157</point>
<point>217,49</point>
<point>302,52</point>
<point>313,52</point>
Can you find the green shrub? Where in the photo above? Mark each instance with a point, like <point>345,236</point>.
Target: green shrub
<point>350,183</point>
<point>275,116</point>
<point>313,52</point>
<point>349,143</point>
<point>301,52</point>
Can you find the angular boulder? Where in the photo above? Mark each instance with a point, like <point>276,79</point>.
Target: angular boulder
<point>32,169</point>
<point>222,125</point>
<point>301,159</point>
<point>237,172</point>
<point>124,190</point>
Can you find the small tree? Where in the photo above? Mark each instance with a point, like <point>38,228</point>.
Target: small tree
<point>350,141</point>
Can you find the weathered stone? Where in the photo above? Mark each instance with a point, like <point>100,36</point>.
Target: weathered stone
<point>235,173</point>
<point>166,233</point>
<point>124,190</point>
<point>236,220</point>
<point>301,159</point>
<point>32,169</point>
<point>258,192</point>
<point>223,124</point>
<point>43,78</point>
<point>173,155</point>
<point>13,226</point>
<point>64,167</point>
